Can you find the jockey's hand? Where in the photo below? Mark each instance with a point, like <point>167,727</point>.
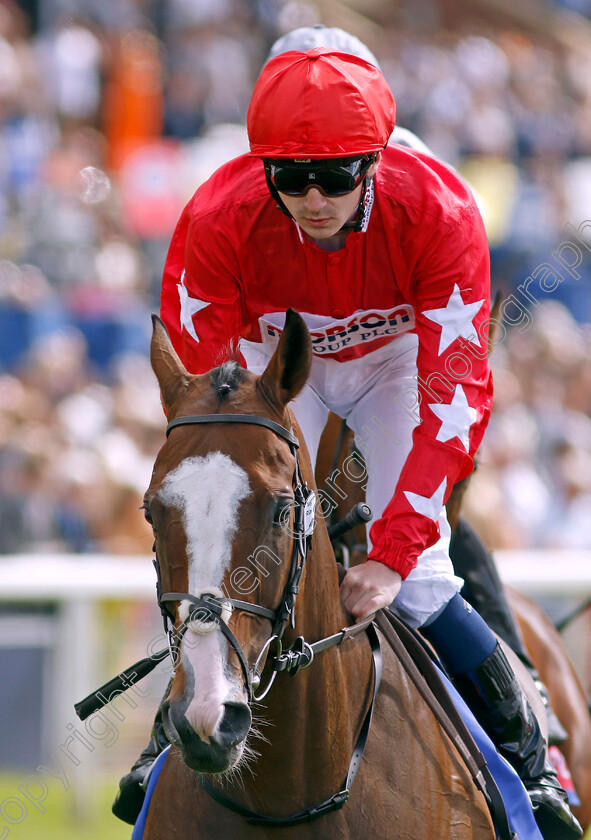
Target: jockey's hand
<point>369,587</point>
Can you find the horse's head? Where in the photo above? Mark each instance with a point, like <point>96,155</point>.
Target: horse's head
<point>217,503</point>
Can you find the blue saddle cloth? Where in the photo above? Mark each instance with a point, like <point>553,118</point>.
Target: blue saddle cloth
<point>138,829</point>
<point>517,804</point>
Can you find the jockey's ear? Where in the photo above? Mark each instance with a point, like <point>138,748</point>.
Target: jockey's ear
<point>289,367</point>
<point>170,371</point>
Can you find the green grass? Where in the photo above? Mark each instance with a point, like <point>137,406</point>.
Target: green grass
<point>58,822</point>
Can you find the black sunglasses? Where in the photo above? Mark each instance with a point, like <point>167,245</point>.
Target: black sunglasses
<point>334,177</point>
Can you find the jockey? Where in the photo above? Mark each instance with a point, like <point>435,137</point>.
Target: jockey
<point>470,558</point>
<point>382,251</point>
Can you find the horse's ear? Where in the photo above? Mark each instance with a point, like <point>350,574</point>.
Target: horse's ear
<point>289,367</point>
<point>170,371</point>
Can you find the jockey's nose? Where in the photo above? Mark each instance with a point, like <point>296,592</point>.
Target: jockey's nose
<point>315,199</point>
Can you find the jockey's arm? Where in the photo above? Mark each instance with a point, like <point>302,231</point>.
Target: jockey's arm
<point>451,301</point>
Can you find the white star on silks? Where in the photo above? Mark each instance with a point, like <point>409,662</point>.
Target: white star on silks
<point>455,319</point>
<point>429,506</point>
<point>456,418</point>
<point>189,307</point>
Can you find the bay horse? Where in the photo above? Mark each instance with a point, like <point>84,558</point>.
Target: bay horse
<point>217,503</point>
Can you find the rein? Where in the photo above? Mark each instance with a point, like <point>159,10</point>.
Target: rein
<point>337,800</point>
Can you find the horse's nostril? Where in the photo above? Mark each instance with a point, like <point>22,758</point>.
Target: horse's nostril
<point>234,725</point>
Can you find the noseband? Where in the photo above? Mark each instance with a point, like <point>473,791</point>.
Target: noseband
<point>211,608</point>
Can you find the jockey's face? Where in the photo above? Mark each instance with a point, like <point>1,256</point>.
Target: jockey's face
<point>321,216</point>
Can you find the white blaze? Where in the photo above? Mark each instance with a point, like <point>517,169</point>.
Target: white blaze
<point>208,492</point>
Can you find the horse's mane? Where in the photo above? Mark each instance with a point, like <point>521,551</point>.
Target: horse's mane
<point>226,378</point>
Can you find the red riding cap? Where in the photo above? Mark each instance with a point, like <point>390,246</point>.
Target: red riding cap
<point>319,104</point>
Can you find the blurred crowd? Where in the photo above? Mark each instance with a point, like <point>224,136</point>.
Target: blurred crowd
<point>112,112</point>
<point>532,486</point>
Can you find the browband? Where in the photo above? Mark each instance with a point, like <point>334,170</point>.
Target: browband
<point>251,419</point>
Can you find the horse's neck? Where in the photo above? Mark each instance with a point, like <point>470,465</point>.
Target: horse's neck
<point>315,716</point>
<point>323,613</point>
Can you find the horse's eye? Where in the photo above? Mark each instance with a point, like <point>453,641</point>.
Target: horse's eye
<point>147,514</point>
<point>282,510</point>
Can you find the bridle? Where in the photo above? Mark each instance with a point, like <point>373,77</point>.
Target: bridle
<point>302,653</point>
<point>209,608</point>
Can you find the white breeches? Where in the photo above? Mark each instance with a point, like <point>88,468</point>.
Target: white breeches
<point>377,396</point>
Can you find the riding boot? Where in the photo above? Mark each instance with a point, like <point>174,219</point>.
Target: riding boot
<point>483,589</point>
<point>496,698</point>
<point>132,791</point>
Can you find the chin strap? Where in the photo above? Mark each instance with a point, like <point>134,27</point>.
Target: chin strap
<point>360,222</point>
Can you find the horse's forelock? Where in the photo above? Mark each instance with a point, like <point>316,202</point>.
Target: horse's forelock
<point>227,378</point>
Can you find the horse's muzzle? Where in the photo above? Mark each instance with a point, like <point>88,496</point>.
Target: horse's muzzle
<point>225,745</point>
